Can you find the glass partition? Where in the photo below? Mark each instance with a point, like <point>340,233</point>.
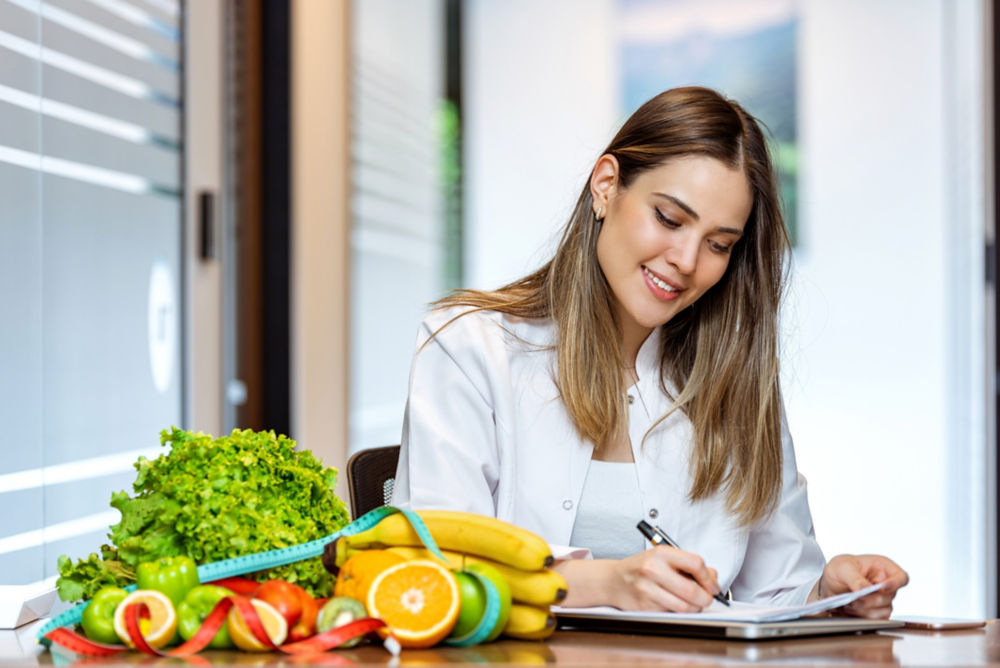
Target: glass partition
<point>90,265</point>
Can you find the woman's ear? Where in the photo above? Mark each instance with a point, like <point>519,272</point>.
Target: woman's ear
<point>603,183</point>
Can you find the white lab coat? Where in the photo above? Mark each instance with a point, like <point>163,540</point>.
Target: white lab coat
<point>485,432</point>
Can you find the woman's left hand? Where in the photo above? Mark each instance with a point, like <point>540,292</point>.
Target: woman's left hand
<point>851,572</point>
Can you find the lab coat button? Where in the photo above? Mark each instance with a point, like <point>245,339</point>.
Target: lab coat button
<point>631,399</point>
<point>567,504</point>
<point>653,512</point>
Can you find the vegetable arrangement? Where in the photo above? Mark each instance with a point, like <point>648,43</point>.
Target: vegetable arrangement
<point>213,499</point>
<point>208,500</point>
<point>171,607</point>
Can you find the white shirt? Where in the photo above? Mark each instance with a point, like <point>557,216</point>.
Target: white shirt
<point>608,510</point>
<point>486,432</point>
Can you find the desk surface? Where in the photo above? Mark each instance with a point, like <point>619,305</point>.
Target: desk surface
<point>912,648</point>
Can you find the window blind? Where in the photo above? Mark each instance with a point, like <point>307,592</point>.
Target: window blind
<point>398,242</point>
<point>90,264</point>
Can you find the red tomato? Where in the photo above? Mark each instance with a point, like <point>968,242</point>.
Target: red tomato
<point>307,623</point>
<point>284,596</point>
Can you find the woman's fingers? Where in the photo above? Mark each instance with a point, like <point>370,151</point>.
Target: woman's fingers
<point>687,576</point>
<point>869,609</point>
<point>665,578</point>
<point>853,572</point>
<point>695,566</point>
<point>653,596</point>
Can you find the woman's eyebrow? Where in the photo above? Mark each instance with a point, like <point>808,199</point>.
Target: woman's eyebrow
<point>688,210</point>
<point>691,212</point>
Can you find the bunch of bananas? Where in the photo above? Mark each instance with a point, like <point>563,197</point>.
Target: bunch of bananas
<point>522,557</point>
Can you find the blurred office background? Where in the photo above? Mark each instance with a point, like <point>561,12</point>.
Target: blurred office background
<point>234,214</point>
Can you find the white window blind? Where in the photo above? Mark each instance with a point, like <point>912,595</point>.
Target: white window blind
<point>398,239</point>
<point>90,253</point>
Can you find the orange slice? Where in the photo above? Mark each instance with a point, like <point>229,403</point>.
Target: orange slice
<point>418,600</point>
<point>161,625</point>
<point>274,625</point>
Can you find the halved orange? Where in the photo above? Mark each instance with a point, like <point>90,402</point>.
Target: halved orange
<point>274,625</point>
<point>360,570</point>
<point>418,600</point>
<point>159,628</point>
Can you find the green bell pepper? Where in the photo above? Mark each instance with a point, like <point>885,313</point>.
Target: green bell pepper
<point>195,608</point>
<point>99,616</point>
<point>173,576</point>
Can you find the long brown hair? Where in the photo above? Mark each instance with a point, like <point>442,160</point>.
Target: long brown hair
<point>720,354</point>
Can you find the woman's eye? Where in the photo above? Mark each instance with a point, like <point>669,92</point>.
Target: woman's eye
<point>664,220</point>
<point>719,248</point>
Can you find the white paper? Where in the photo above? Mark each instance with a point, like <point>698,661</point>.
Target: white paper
<point>736,612</point>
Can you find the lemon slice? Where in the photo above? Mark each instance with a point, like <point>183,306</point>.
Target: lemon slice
<point>274,625</point>
<point>159,629</point>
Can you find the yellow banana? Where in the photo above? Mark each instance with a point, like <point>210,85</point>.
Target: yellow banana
<point>467,533</point>
<point>544,587</point>
<point>529,622</point>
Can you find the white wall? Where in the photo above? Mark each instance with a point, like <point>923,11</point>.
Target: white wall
<point>877,305</point>
<point>541,101</point>
<point>883,351</point>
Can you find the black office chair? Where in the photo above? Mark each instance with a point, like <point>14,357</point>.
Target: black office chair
<point>370,476</point>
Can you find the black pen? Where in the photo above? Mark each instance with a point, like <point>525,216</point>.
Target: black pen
<point>658,536</point>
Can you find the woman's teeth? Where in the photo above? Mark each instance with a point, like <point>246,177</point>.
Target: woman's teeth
<point>658,283</point>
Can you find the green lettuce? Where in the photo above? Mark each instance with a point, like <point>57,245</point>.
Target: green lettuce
<point>213,499</point>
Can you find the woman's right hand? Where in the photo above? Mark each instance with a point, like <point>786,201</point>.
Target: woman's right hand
<point>663,578</point>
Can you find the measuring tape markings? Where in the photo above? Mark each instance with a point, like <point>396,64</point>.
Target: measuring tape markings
<point>282,556</point>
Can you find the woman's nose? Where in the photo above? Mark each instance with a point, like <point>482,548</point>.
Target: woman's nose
<point>683,254</point>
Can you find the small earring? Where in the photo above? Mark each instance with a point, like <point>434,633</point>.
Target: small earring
<point>599,214</point>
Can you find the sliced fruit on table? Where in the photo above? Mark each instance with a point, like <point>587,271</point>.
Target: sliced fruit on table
<point>158,628</point>
<point>418,600</point>
<point>338,611</point>
<point>544,587</point>
<point>274,625</point>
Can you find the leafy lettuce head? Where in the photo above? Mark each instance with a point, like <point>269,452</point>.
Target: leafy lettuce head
<point>213,499</point>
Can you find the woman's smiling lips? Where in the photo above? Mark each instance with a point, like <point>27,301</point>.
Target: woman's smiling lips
<point>662,288</point>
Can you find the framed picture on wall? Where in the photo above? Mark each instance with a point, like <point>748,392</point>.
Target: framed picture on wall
<point>745,49</point>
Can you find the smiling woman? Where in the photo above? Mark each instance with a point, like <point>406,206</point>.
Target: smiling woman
<point>660,240</point>
<point>664,287</point>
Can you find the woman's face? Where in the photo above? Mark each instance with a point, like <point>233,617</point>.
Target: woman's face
<point>667,239</point>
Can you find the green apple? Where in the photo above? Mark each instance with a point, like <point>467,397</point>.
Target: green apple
<point>473,600</point>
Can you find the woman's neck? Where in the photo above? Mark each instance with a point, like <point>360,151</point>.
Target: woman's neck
<point>632,339</point>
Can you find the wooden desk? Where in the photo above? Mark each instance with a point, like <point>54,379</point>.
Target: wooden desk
<point>912,648</point>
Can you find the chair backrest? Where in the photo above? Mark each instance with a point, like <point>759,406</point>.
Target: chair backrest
<point>370,476</point>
